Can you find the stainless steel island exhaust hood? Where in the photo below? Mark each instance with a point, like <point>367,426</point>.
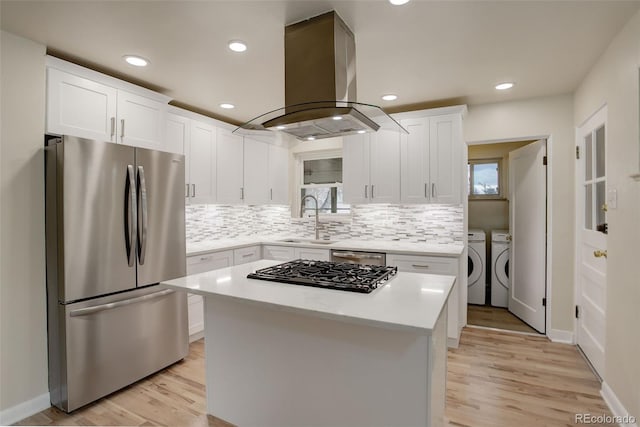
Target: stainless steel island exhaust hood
<point>320,85</point>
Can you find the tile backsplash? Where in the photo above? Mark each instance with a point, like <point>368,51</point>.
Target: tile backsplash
<point>432,223</point>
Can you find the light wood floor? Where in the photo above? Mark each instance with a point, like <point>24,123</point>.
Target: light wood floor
<point>496,317</point>
<point>495,379</point>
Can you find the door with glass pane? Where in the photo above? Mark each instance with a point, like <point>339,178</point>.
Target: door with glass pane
<point>591,236</point>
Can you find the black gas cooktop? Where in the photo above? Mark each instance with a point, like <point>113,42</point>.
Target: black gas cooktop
<point>330,275</point>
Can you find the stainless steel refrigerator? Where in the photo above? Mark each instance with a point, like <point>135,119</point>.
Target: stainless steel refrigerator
<point>115,224</point>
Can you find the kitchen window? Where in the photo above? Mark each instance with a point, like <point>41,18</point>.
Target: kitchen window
<point>321,177</point>
<point>485,179</point>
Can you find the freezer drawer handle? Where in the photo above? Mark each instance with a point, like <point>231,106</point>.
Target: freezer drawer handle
<point>145,216</point>
<point>110,306</point>
<point>131,219</point>
<point>419,266</point>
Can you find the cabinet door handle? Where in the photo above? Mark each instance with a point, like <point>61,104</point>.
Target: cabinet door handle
<point>122,129</point>
<point>193,190</point>
<point>271,194</point>
<point>113,127</point>
<point>372,190</point>
<point>433,190</point>
<point>419,266</point>
<point>187,193</point>
<point>241,193</point>
<point>425,191</point>
<point>247,255</point>
<point>366,187</point>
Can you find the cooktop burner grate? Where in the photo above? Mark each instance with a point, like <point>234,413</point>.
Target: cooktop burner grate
<point>326,274</point>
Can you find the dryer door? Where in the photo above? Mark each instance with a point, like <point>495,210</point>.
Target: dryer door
<point>502,268</point>
<point>475,269</point>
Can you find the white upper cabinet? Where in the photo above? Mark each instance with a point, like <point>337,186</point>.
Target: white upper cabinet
<point>431,169</point>
<point>202,163</point>
<point>445,158</point>
<point>229,164</point>
<point>88,104</point>
<point>80,107</point>
<point>414,161</point>
<point>384,155</point>
<point>140,121</point>
<point>371,167</point>
<point>177,134</point>
<point>278,175</point>
<point>197,141</point>
<point>256,171</point>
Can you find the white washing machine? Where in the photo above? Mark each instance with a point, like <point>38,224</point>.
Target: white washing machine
<point>500,248</point>
<point>476,267</point>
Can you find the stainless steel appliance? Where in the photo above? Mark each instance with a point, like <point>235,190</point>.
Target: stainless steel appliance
<point>115,225</point>
<point>320,85</point>
<point>357,257</point>
<point>329,275</point>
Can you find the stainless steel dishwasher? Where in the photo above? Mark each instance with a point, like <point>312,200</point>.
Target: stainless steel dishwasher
<point>358,257</point>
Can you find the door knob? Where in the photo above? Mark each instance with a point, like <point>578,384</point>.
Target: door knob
<point>600,254</point>
<point>605,208</point>
<point>508,237</point>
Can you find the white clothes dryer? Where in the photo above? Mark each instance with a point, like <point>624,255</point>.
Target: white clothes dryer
<point>476,280</point>
<point>500,283</point>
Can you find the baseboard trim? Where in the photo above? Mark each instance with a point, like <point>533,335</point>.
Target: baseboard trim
<point>617,408</point>
<point>558,335</point>
<point>25,409</point>
<point>196,336</point>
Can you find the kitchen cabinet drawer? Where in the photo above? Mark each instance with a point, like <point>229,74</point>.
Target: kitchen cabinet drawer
<point>315,254</point>
<point>245,255</point>
<point>278,253</point>
<point>207,262</point>
<point>424,264</point>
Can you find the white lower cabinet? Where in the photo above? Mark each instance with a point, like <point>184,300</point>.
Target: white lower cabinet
<point>288,253</point>
<point>200,264</point>
<point>245,255</point>
<point>435,265</point>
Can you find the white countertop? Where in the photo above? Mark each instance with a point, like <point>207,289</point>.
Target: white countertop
<point>399,247</point>
<point>409,301</point>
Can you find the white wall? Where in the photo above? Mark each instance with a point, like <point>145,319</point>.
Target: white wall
<point>23,335</point>
<point>531,119</point>
<point>614,81</point>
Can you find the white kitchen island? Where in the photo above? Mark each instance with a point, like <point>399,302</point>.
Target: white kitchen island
<point>288,355</point>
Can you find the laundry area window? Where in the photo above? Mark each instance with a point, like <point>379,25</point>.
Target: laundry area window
<point>322,178</point>
<point>484,179</point>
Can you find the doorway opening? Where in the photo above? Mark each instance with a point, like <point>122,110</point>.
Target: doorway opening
<point>507,235</point>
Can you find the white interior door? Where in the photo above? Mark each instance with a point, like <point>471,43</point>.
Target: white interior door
<point>528,223</point>
<point>591,244</point>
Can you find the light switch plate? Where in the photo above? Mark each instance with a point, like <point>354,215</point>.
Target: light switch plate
<point>612,198</point>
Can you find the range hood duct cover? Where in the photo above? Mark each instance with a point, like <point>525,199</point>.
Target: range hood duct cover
<point>320,85</point>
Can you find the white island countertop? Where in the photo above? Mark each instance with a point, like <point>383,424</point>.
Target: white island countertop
<point>409,301</point>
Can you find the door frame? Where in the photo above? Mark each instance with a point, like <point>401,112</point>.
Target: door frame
<point>557,337</point>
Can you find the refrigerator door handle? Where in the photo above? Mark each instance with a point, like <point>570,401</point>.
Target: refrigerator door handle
<point>112,305</point>
<point>131,219</point>
<point>145,216</point>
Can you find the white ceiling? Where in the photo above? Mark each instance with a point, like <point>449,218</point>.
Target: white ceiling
<point>425,51</point>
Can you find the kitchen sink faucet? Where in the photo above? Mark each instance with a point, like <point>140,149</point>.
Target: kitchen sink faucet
<point>302,211</point>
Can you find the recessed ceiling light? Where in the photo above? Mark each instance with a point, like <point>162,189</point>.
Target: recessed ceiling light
<point>398,2</point>
<point>504,86</point>
<point>227,106</point>
<point>281,127</point>
<point>337,117</point>
<point>237,46</point>
<point>311,138</point>
<point>390,97</point>
<point>362,131</point>
<point>135,60</point>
